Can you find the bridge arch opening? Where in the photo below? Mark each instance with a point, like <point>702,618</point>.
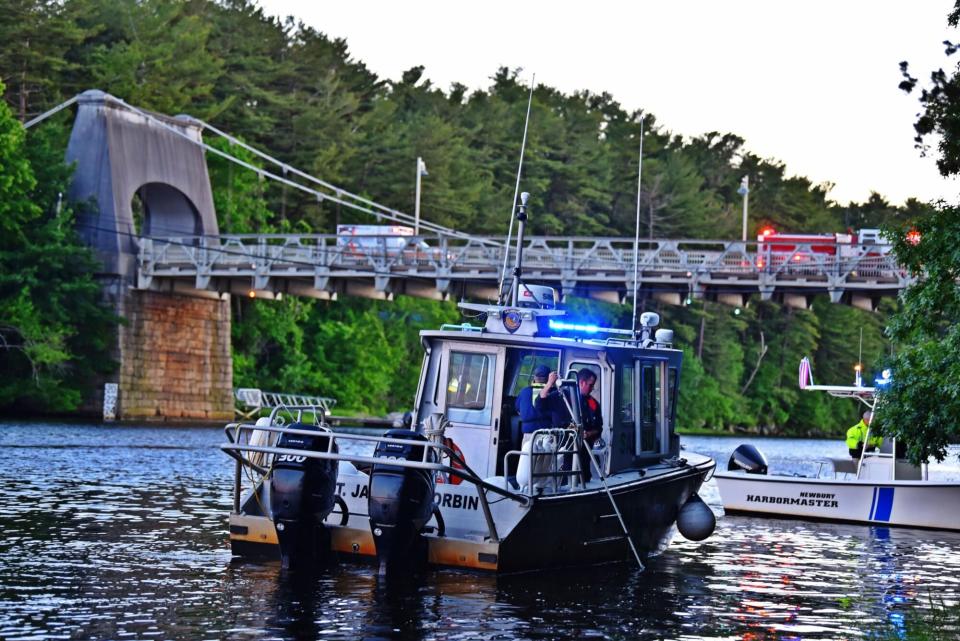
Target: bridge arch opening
<point>160,209</point>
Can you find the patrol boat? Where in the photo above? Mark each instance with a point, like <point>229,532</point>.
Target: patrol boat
<point>878,488</point>
<point>462,487</point>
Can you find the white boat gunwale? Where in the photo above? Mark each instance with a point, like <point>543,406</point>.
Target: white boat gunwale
<point>779,478</point>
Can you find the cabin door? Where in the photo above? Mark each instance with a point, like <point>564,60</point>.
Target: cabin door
<point>472,378</point>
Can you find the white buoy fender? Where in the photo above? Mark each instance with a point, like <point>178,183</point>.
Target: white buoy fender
<point>696,520</point>
<point>261,438</point>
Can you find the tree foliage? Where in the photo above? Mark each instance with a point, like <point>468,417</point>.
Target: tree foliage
<point>54,333</point>
<point>923,401</point>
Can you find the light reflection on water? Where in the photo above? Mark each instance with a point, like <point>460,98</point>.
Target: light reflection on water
<point>120,532</point>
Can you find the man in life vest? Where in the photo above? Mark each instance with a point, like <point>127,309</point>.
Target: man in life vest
<point>539,402</point>
<point>857,435</point>
<point>590,416</point>
<point>589,407</point>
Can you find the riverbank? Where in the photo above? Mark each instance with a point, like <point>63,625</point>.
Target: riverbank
<point>765,433</point>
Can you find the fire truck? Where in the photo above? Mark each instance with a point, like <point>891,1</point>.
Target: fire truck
<point>814,252</point>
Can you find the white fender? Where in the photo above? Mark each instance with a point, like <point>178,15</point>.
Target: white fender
<point>539,444</point>
<point>261,438</point>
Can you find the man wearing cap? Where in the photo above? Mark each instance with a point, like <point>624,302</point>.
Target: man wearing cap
<point>536,404</point>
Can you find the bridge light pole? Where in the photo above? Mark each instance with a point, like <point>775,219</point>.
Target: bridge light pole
<point>421,171</point>
<point>744,191</point>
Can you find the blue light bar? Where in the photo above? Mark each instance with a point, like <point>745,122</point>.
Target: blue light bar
<point>561,326</point>
<point>586,328</point>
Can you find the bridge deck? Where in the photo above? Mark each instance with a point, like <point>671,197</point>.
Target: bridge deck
<point>323,265</point>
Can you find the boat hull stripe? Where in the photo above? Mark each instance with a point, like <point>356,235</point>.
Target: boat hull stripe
<point>884,504</point>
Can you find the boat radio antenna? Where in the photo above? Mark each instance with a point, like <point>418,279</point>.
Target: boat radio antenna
<point>636,237</point>
<point>518,265</point>
<point>516,190</point>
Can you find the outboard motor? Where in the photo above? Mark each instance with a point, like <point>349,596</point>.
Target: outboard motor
<point>400,501</point>
<point>747,457</point>
<point>302,495</point>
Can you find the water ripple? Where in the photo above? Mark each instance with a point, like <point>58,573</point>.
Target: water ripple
<point>120,532</point>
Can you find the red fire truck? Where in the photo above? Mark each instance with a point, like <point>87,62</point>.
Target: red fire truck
<point>802,252</point>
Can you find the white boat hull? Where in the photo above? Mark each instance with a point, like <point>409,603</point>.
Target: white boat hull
<point>919,504</point>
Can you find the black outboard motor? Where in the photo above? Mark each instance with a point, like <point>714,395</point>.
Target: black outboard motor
<point>400,501</point>
<point>302,495</point>
<point>747,457</point>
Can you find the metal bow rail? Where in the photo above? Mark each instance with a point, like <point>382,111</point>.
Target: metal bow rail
<point>251,400</point>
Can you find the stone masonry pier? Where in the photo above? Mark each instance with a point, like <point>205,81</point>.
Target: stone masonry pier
<point>175,358</point>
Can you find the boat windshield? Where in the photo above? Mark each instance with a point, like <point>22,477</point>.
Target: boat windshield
<point>522,362</point>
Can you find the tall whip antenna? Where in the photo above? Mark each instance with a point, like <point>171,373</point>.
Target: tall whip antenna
<point>636,238</point>
<point>516,190</point>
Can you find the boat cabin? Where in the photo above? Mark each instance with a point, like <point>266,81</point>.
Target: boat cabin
<point>473,376</point>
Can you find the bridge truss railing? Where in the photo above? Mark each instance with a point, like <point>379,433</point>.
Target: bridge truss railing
<point>565,261</point>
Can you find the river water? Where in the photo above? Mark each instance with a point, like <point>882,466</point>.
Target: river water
<point>120,533</point>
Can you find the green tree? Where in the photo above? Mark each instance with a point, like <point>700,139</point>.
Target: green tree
<point>54,332</point>
<point>35,36</point>
<point>923,401</point>
<point>161,60</point>
<point>938,103</point>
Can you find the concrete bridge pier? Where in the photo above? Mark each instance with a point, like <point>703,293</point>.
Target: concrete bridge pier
<point>147,179</point>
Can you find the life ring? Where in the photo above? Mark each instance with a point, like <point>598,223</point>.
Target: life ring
<point>453,479</point>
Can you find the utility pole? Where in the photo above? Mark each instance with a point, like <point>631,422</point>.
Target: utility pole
<point>745,192</point>
<point>421,171</point>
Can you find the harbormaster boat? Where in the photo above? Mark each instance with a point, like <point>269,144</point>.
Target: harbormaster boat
<point>465,486</point>
<point>878,488</point>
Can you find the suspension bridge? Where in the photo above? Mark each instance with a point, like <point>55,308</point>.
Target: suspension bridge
<point>171,274</point>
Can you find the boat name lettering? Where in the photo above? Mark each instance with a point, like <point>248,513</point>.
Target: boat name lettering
<point>358,491</point>
<point>456,501</point>
<point>816,495</point>
<point>802,500</point>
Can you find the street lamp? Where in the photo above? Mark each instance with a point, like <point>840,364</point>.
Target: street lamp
<point>421,171</point>
<point>745,192</point>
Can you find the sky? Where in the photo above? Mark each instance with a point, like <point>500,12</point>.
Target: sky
<point>812,84</point>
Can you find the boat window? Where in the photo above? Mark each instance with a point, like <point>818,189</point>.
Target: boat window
<point>528,361</point>
<point>593,367</point>
<point>672,395</point>
<point>436,383</point>
<point>650,401</point>
<point>469,392</point>
<point>624,415</point>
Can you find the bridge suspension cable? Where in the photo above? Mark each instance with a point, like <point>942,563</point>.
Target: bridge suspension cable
<point>340,196</point>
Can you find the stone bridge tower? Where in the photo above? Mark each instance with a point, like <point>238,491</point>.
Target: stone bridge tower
<point>137,175</point>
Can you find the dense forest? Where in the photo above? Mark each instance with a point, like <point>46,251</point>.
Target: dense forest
<point>289,88</point>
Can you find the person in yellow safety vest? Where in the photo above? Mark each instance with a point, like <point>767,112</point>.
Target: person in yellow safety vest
<point>857,434</point>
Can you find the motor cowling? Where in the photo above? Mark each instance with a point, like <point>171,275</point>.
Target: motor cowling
<point>747,457</point>
<point>400,500</point>
<point>302,495</point>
